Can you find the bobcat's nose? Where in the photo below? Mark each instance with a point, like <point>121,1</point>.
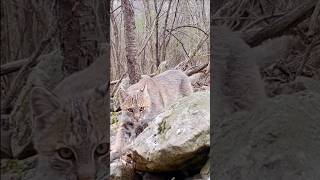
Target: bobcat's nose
<point>136,117</point>
<point>86,172</point>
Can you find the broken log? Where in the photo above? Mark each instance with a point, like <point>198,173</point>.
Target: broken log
<point>275,29</point>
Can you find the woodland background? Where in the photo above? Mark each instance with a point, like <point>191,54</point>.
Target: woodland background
<point>161,34</point>
<point>168,34</point>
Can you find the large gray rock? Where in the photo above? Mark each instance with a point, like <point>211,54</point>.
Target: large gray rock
<point>177,138</point>
<point>120,170</point>
<point>278,140</point>
<point>309,84</point>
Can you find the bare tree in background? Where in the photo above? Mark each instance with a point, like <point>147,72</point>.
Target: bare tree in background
<point>130,41</point>
<point>116,42</point>
<point>157,34</point>
<point>78,34</point>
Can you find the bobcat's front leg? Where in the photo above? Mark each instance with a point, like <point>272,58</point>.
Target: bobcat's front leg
<point>123,136</point>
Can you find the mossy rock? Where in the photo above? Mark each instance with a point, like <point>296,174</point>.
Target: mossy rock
<point>280,139</point>
<point>178,138</point>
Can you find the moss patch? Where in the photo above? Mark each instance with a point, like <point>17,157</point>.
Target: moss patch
<point>114,117</point>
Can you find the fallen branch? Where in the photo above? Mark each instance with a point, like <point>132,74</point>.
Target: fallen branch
<point>12,66</point>
<point>196,69</point>
<point>262,19</point>
<point>116,81</point>
<point>275,29</point>
<point>188,73</point>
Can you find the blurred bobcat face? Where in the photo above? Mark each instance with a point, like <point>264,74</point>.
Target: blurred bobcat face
<point>135,103</point>
<point>70,137</point>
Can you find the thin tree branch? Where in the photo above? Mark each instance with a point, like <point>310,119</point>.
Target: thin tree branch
<point>190,26</point>
<point>174,19</point>
<point>115,9</point>
<point>184,49</point>
<point>164,32</point>
<point>150,35</point>
<point>196,69</point>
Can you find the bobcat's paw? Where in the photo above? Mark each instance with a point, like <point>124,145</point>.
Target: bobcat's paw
<point>114,155</point>
<point>127,157</point>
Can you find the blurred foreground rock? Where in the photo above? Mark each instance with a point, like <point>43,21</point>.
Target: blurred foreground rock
<point>18,169</point>
<point>278,140</point>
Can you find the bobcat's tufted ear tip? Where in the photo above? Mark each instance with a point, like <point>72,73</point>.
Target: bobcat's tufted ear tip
<point>145,88</point>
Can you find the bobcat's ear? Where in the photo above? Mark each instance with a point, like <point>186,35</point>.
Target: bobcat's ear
<point>145,91</point>
<point>122,95</point>
<point>42,101</point>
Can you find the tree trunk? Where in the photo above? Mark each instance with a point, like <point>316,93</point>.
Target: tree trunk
<point>157,35</point>
<point>130,41</point>
<point>29,33</point>
<point>117,49</point>
<point>149,24</point>
<point>164,47</point>
<point>78,34</point>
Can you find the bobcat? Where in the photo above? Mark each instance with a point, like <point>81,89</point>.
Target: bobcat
<point>70,131</point>
<point>141,102</point>
<point>236,77</point>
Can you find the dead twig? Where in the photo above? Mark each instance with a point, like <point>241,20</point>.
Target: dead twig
<point>262,19</point>
<point>306,56</point>
<point>117,84</point>
<point>115,9</point>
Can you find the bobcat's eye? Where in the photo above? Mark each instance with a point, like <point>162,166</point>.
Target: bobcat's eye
<point>141,108</point>
<point>102,149</point>
<point>130,110</point>
<point>66,153</point>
